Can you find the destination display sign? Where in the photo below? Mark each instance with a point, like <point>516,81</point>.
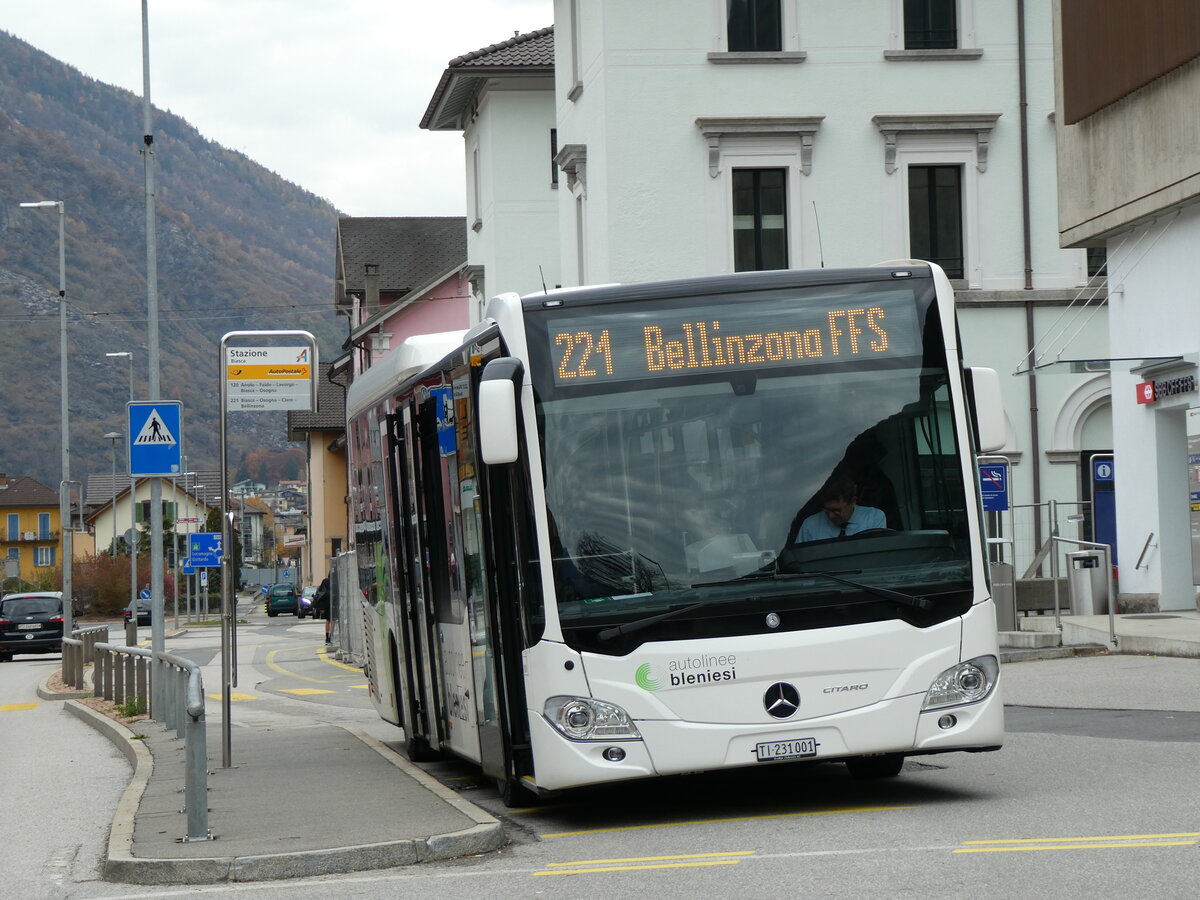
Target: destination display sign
<point>612,345</point>
<point>261,378</point>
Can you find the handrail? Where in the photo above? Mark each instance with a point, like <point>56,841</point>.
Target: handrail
<point>186,695</point>
<point>1112,605</point>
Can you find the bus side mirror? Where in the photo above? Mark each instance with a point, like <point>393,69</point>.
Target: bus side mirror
<point>498,435</point>
<point>988,407</point>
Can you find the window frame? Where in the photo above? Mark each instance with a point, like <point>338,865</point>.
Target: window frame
<point>789,52</point>
<point>758,216</point>
<point>931,197</point>
<point>44,557</point>
<point>967,45</point>
<point>43,526</point>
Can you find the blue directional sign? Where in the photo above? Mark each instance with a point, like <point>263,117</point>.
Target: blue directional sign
<point>204,549</point>
<point>145,594</point>
<point>993,486</point>
<point>155,432</point>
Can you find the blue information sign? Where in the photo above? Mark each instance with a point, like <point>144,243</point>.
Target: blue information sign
<point>155,432</point>
<point>145,593</point>
<point>1102,469</point>
<point>993,486</point>
<point>204,550</point>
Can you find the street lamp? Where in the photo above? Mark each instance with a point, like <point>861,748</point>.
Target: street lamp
<point>112,437</point>
<point>133,585</point>
<point>64,503</point>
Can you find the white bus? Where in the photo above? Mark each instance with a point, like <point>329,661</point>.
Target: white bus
<point>579,529</point>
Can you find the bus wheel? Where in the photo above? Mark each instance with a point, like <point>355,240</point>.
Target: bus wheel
<point>514,794</point>
<point>886,765</point>
<point>417,749</point>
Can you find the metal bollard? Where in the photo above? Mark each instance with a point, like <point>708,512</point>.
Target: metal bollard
<point>110,671</point>
<point>102,658</point>
<point>118,688</point>
<point>142,693</point>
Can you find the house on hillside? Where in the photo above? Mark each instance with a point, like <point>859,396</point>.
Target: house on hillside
<point>827,135</point>
<point>30,536</point>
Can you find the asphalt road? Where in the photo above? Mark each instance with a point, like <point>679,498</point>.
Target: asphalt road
<point>1091,796</point>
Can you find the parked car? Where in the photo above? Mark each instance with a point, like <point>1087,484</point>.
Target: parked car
<point>143,610</point>
<point>306,601</point>
<point>31,623</point>
<point>281,599</point>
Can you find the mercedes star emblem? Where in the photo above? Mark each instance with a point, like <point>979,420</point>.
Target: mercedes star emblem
<point>781,700</point>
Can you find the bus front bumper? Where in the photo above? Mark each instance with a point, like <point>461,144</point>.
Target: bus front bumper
<point>675,747</point>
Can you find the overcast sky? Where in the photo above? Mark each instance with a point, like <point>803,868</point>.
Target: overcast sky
<point>329,94</point>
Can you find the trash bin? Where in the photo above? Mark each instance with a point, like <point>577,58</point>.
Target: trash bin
<point>1004,596</point>
<point>1087,583</point>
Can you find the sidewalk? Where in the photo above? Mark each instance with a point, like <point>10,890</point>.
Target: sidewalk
<point>302,798</point>
<point>1171,633</point>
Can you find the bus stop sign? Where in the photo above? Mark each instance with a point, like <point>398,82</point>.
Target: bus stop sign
<point>993,486</point>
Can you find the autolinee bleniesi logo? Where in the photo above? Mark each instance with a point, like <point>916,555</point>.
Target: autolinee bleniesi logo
<point>647,677</point>
<point>686,672</point>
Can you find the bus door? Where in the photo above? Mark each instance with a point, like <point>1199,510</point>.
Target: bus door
<point>444,569</point>
<point>412,667</point>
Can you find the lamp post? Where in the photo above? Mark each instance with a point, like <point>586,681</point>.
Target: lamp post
<point>64,502</point>
<point>112,437</point>
<point>133,579</point>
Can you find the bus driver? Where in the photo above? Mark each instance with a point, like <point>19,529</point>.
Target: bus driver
<point>841,515</point>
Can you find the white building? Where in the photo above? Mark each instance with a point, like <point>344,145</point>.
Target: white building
<point>1129,180</point>
<point>708,137</point>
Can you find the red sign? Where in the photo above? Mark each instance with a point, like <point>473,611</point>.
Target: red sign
<point>1145,392</point>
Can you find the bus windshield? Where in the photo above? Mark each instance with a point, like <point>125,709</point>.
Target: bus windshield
<point>695,502</point>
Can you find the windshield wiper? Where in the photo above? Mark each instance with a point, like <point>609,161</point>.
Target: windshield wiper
<point>638,624</point>
<point>898,596</point>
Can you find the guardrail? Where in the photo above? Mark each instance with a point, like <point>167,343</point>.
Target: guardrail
<point>123,674</point>
<point>78,650</point>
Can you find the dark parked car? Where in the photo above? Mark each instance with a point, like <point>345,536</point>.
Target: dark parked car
<point>281,599</point>
<point>31,623</point>
<point>320,600</point>
<point>143,610</point>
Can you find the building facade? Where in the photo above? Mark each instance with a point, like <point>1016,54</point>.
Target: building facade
<point>1128,138</point>
<point>701,138</point>
<point>30,534</point>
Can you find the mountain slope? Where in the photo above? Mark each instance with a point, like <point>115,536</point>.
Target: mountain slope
<point>238,248</point>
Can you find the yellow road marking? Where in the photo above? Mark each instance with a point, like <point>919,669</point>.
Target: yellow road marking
<point>305,691</point>
<point>641,863</point>
<point>359,687</point>
<point>1108,837</point>
<point>1095,846</point>
<point>232,697</point>
<point>282,671</point>
<point>324,655</point>
<point>1011,845</point>
<point>18,707</point>
<point>819,812</point>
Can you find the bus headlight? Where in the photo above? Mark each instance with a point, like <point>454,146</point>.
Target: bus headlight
<point>583,719</point>
<point>967,682</point>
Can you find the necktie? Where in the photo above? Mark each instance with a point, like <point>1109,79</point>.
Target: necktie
<point>842,531</point>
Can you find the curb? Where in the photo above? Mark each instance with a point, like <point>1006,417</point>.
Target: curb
<point>121,865</point>
<point>43,691</point>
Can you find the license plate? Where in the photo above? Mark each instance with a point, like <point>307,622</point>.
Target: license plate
<point>798,748</point>
<point>32,626</point>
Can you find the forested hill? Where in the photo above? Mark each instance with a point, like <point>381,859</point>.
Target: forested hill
<point>239,248</point>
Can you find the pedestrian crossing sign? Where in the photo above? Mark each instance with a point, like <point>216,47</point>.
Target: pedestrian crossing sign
<point>156,438</point>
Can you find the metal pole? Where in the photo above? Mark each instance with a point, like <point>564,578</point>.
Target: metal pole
<point>112,437</point>
<point>65,517</point>
<point>157,629</point>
